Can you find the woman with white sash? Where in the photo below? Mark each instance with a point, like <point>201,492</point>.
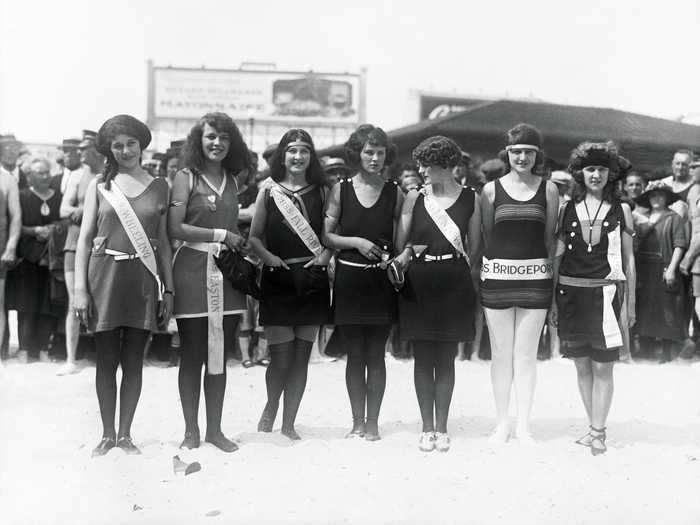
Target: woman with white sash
<point>204,214</point>
<point>123,279</point>
<point>595,279</point>
<point>295,293</point>
<point>519,215</point>
<point>439,234</point>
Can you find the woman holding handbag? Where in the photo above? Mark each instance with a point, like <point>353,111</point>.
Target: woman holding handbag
<point>360,222</point>
<point>439,234</point>
<point>295,299</point>
<point>204,214</point>
<point>123,280</point>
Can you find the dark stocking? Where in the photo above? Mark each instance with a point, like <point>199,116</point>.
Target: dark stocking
<point>107,362</point>
<point>132,347</point>
<point>424,380</point>
<point>281,359</point>
<point>375,346</point>
<point>445,354</point>
<point>295,383</point>
<point>353,341</point>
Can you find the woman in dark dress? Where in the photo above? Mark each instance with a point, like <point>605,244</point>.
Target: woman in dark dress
<point>594,271</point>
<point>439,234</point>
<point>38,310</point>
<point>123,277</point>
<point>204,214</point>
<point>295,294</point>
<point>360,222</point>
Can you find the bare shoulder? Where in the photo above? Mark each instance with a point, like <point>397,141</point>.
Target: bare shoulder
<point>489,191</point>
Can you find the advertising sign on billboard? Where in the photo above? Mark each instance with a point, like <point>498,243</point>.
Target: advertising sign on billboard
<point>432,106</point>
<point>273,96</point>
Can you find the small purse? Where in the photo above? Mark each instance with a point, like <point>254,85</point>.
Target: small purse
<point>239,271</point>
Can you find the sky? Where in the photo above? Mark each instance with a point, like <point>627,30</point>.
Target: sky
<point>69,65</point>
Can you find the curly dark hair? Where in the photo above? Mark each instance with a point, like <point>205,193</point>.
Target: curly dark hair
<point>368,134</point>
<point>438,151</point>
<point>598,154</point>
<point>314,173</point>
<point>237,159</point>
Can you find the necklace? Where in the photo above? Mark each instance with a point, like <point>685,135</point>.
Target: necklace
<point>44,209</point>
<point>591,223</point>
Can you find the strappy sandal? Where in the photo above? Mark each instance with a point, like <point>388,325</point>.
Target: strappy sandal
<point>598,442</point>
<point>585,441</point>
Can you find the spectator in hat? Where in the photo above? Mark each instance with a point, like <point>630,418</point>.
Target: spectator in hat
<point>662,292</point>
<point>680,180</point>
<point>72,170</point>
<point>335,169</point>
<point>690,265</point>
<point>9,156</point>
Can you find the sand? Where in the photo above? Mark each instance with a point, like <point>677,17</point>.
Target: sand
<point>651,473</point>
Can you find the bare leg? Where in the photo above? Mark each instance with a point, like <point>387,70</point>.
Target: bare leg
<point>244,345</point>
<point>478,333</point>
<point>554,346</point>
<point>528,327</point>
<point>501,324</point>
<point>584,374</point>
<point>603,387</point>
<point>3,317</point>
<point>72,330</point>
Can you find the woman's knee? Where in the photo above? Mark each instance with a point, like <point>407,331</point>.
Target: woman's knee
<point>602,371</point>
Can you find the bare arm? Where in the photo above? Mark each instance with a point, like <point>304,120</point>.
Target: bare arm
<point>88,230</point>
<point>397,215</point>
<point>256,237</point>
<point>165,263</point>
<point>488,195</point>
<point>629,267</point>
<point>551,220</point>
<point>473,238</point>
<point>335,240</point>
<point>69,201</point>
<point>403,247</point>
<point>14,211</point>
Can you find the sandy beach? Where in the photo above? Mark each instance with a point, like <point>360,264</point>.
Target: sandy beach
<point>651,473</point>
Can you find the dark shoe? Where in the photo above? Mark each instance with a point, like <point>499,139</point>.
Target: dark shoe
<point>263,362</point>
<point>598,441</point>
<point>103,447</point>
<point>191,440</point>
<point>127,445</point>
<point>221,442</point>
<point>358,429</point>
<point>291,434</point>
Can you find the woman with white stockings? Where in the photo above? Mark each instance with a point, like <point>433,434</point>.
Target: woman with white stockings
<point>519,214</point>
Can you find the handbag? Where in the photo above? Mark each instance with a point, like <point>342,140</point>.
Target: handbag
<point>239,271</point>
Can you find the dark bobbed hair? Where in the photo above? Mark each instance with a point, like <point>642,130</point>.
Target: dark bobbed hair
<point>314,173</point>
<point>408,166</point>
<point>617,165</point>
<point>368,134</point>
<point>438,151</point>
<point>117,125</point>
<point>237,158</point>
<point>525,134</point>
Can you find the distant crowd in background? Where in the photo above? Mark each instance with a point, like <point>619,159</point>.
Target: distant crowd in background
<point>36,243</point>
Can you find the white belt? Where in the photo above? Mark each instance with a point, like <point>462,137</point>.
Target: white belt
<point>204,246</point>
<point>121,256</point>
<point>516,269</point>
<point>361,265</point>
<point>446,257</point>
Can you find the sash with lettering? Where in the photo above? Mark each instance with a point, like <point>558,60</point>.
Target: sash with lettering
<point>296,220</point>
<point>444,223</point>
<point>215,312</point>
<point>134,230</point>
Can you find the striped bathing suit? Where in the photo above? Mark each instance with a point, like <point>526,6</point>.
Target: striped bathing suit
<point>515,270</point>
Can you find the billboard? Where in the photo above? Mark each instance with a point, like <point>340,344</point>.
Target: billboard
<point>294,98</point>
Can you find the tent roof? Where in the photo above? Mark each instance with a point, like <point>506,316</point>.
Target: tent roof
<point>559,121</point>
